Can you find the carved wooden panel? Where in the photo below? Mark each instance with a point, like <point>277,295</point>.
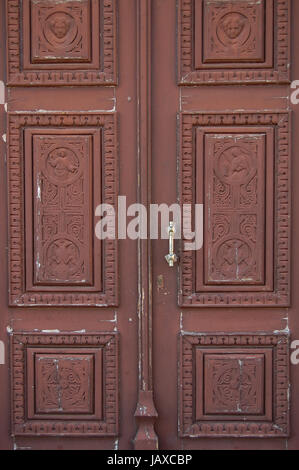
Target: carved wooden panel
<point>65,384</point>
<point>237,166</point>
<point>61,43</point>
<point>234,385</point>
<point>234,41</point>
<point>69,164</point>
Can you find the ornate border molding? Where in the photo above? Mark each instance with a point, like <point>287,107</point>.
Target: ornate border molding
<point>280,73</point>
<point>189,427</point>
<point>281,295</point>
<point>22,426</point>
<point>37,77</point>
<point>17,292</point>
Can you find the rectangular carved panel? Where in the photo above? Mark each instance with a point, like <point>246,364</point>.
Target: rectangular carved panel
<point>234,385</point>
<point>238,245</point>
<point>61,43</point>
<point>234,41</point>
<point>65,384</point>
<point>237,166</point>
<point>69,164</point>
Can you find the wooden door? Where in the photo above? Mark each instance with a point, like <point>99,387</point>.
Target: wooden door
<point>71,146</point>
<point>106,345</point>
<point>222,132</point>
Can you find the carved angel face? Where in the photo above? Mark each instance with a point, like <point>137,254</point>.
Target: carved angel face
<point>60,25</point>
<point>233,26</point>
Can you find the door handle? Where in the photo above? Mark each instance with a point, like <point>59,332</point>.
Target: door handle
<point>171,258</point>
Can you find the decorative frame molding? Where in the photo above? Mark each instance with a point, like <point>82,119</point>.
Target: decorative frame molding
<point>18,296</point>
<point>277,427</point>
<point>280,297</point>
<point>188,75</point>
<point>22,425</point>
<point>37,76</point>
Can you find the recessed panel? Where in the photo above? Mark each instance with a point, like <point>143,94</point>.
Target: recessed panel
<point>236,166</point>
<point>65,384</point>
<point>233,41</point>
<point>234,31</point>
<point>234,385</point>
<point>65,169</point>
<point>235,183</point>
<point>61,43</point>
<point>60,32</point>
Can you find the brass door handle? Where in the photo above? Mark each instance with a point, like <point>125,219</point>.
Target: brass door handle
<point>171,258</point>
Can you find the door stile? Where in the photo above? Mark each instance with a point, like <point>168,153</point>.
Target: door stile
<point>146,414</point>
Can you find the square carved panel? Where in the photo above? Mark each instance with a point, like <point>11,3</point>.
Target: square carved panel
<point>233,32</point>
<point>61,43</point>
<point>61,33</point>
<point>60,169</point>
<point>234,385</point>
<point>237,167</point>
<point>65,384</point>
<point>234,41</point>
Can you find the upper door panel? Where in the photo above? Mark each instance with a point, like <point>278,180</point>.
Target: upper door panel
<point>243,41</point>
<point>61,43</point>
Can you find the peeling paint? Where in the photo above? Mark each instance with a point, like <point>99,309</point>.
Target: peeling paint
<point>51,331</point>
<point>60,111</point>
<point>2,92</point>
<point>4,138</point>
<point>2,353</point>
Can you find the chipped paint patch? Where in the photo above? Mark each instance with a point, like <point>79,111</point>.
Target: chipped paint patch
<point>2,92</point>
<point>51,331</point>
<point>2,353</point>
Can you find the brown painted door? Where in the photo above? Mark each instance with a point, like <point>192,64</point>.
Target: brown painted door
<point>188,102</point>
<point>71,145</point>
<point>222,135</point>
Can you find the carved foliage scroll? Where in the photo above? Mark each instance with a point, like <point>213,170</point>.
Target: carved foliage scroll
<point>69,163</point>
<point>237,166</point>
<point>234,41</point>
<point>234,386</point>
<point>61,43</point>
<point>65,384</point>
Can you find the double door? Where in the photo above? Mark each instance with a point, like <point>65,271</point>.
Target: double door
<point>107,346</point>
